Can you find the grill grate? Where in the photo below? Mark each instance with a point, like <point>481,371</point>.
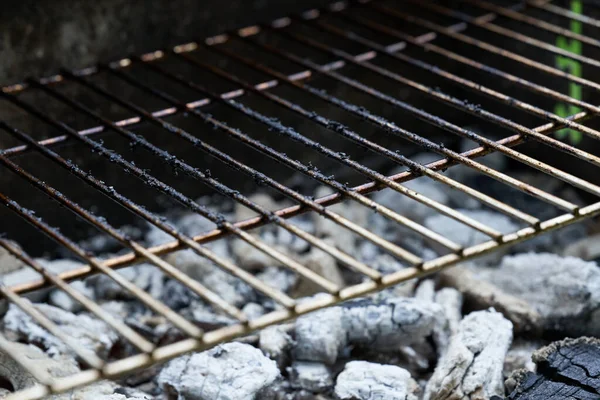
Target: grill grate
<point>423,30</point>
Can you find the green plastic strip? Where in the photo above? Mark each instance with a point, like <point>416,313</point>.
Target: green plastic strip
<point>574,68</point>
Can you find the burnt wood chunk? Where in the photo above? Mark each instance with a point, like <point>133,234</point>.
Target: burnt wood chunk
<point>569,369</point>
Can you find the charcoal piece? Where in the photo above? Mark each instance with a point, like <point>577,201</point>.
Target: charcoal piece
<point>20,378</point>
<point>569,303</point>
<point>472,366</point>
<point>276,343</point>
<point>383,326</point>
<point>451,301</point>
<point>412,209</point>
<point>231,371</point>
<point>361,380</point>
<point>253,310</point>
<point>145,276</point>
<point>568,369</point>
<point>480,294</point>
<point>324,265</point>
<point>311,376</point>
<point>92,334</point>
<point>318,341</point>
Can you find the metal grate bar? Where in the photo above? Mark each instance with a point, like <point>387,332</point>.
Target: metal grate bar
<point>339,255</point>
<point>426,116</point>
<point>546,6</point>
<point>379,121</point>
<point>467,61</point>
<point>290,132</point>
<point>538,23</point>
<point>490,26</point>
<point>52,232</point>
<point>478,43</point>
<point>511,101</point>
<point>153,219</point>
<point>128,333</point>
<point>101,223</point>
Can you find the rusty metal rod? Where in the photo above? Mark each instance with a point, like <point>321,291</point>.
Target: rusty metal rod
<point>291,133</point>
<point>298,166</point>
<point>430,47</point>
<point>508,33</point>
<point>391,127</point>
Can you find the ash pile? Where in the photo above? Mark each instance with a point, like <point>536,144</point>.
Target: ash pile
<point>516,325</point>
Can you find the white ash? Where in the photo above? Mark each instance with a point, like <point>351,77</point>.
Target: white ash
<point>92,334</point>
<point>311,376</point>
<point>62,300</point>
<point>231,371</point>
<point>466,236</point>
<point>480,294</point>
<point>253,310</point>
<point>205,317</point>
<point>145,276</point>
<point>103,390</point>
<point>472,366</point>
<point>8,262</point>
<point>408,207</point>
<point>27,274</point>
<point>362,380</point>
<point>340,237</point>
<point>276,343</point>
<point>383,326</point>
<point>324,265</point>
<point>570,301</point>
<point>587,248</point>
<point>451,301</point>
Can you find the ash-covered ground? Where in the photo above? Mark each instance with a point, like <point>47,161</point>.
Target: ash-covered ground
<point>470,332</point>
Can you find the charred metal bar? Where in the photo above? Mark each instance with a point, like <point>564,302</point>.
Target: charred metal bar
<point>547,6</point>
<point>491,27</point>
<point>287,131</point>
